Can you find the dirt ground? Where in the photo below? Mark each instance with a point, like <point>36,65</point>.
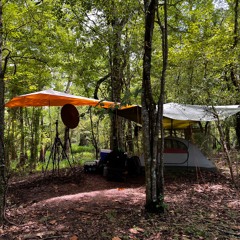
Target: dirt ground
<point>79,206</point>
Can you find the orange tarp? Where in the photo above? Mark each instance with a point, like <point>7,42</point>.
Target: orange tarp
<point>55,98</point>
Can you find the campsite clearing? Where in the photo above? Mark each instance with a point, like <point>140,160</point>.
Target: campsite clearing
<point>199,205</point>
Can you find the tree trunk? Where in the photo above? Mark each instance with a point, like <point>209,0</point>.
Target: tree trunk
<point>10,145</point>
<point>160,165</point>
<point>226,150</point>
<point>237,129</point>
<point>94,135</point>
<point>2,152</point>
<point>117,66</point>
<point>149,112</point>
<point>22,131</point>
<point>34,137</point>
<point>66,143</point>
<point>234,70</point>
<point>151,116</point>
<point>129,138</point>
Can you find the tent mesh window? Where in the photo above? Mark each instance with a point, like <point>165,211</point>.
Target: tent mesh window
<point>173,146</point>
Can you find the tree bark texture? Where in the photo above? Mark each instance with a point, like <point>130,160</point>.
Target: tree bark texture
<point>234,70</point>
<point>95,135</point>
<point>152,116</point>
<point>150,132</point>
<point>117,67</point>
<point>160,164</point>
<point>2,152</point>
<point>35,138</point>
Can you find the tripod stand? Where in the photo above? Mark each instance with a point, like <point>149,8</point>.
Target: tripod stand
<point>57,153</point>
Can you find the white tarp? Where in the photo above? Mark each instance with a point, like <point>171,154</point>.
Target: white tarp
<point>178,116</point>
<point>198,112</point>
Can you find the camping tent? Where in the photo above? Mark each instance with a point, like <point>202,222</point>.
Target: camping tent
<point>179,152</point>
<point>54,98</point>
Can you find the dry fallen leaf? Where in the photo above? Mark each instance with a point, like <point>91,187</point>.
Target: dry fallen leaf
<point>133,230</point>
<point>52,222</point>
<point>136,230</point>
<point>116,238</point>
<point>74,237</point>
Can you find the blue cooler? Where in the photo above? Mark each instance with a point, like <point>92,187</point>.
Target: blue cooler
<point>104,153</point>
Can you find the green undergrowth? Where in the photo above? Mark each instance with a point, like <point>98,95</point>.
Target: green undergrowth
<point>54,160</point>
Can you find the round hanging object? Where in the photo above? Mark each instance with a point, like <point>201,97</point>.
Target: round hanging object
<point>70,116</point>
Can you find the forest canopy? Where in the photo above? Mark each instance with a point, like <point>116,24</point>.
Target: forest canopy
<point>146,53</point>
<point>95,49</point>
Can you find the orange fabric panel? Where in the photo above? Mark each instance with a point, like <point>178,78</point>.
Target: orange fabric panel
<point>54,98</point>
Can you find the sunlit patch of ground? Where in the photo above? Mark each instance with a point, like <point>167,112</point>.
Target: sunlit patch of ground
<point>199,205</point>
<point>134,195</point>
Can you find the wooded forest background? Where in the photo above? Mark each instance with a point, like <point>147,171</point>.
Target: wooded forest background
<point>96,49</point>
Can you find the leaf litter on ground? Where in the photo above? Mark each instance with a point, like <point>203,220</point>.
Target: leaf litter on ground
<point>198,206</point>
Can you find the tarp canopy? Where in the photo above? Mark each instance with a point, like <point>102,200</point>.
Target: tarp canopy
<point>198,112</point>
<point>177,116</point>
<point>54,98</point>
<point>133,113</point>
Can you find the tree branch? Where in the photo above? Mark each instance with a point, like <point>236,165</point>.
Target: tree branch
<point>99,82</point>
<point>5,62</point>
<point>30,58</point>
